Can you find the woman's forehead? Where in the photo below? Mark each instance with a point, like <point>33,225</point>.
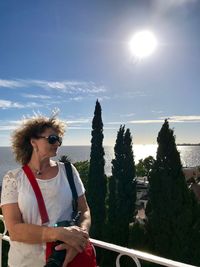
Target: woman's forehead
<point>48,131</point>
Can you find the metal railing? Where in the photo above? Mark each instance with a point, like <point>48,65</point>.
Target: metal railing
<point>122,251</point>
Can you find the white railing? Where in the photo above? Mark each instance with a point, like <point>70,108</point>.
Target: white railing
<point>134,254</point>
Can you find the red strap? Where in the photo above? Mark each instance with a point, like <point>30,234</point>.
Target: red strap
<point>49,249</point>
<point>38,194</point>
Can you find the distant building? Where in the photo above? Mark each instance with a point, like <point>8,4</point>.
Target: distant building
<point>192,176</point>
<point>195,187</point>
<point>142,186</point>
<point>192,172</point>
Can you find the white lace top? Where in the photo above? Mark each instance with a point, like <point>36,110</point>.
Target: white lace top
<point>57,196</point>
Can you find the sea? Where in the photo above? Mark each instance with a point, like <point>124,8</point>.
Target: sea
<point>190,155</point>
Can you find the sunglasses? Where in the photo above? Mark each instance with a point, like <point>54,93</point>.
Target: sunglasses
<point>52,139</point>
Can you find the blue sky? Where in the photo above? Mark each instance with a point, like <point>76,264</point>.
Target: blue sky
<point>66,54</point>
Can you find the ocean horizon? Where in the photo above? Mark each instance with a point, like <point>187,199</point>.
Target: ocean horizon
<point>190,155</point>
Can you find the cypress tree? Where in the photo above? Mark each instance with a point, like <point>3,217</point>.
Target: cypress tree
<point>170,206</point>
<point>122,194</point>
<point>117,169</point>
<point>122,189</point>
<point>126,191</point>
<point>96,177</point>
<point>111,229</point>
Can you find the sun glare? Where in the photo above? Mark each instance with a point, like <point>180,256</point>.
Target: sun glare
<point>143,44</point>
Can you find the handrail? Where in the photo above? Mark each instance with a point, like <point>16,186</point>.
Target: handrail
<point>132,253</point>
<point>135,254</point>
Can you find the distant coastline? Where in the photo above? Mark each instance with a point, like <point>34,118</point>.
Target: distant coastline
<point>185,144</point>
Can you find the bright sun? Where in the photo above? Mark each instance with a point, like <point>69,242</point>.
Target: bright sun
<point>143,44</point>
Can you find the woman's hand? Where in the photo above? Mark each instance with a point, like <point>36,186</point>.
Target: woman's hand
<point>70,253</point>
<point>73,236</point>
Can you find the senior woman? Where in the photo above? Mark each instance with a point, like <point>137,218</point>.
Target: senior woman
<point>34,143</point>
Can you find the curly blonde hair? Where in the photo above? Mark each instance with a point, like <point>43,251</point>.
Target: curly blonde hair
<point>32,128</point>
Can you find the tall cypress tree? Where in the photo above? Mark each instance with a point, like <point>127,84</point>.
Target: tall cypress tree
<point>96,178</point>
<point>170,206</point>
<point>117,168</point>
<point>130,173</point>
<point>122,189</point>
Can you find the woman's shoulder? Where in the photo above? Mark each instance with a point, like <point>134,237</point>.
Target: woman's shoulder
<point>13,174</point>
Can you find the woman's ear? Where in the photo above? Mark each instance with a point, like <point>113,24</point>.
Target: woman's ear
<point>34,144</point>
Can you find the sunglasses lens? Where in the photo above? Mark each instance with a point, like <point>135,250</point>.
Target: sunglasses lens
<point>54,138</point>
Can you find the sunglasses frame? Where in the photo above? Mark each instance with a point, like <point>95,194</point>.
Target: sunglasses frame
<point>56,139</point>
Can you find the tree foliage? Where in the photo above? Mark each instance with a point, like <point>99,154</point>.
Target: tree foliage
<point>170,208</point>
<point>144,166</point>
<point>122,189</point>
<point>96,178</point>
<point>83,169</point>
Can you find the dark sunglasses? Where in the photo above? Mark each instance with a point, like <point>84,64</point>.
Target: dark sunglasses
<point>52,139</point>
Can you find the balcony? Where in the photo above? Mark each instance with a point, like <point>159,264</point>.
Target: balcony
<point>134,254</point>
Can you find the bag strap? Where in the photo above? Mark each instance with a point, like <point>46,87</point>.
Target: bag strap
<point>38,194</point>
<point>70,177</point>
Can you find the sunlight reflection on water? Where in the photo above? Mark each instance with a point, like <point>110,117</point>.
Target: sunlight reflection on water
<point>190,155</point>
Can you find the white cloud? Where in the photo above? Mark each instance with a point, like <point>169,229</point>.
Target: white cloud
<point>11,83</point>
<point>145,121</point>
<point>190,118</point>
<point>102,98</point>
<point>157,111</point>
<point>78,98</point>
<point>9,125</point>
<point>7,104</point>
<point>78,121</point>
<point>63,86</point>
<point>174,119</point>
<point>36,96</point>
<point>115,123</point>
<point>127,115</point>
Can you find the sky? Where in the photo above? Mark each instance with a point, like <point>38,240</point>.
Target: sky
<point>63,54</point>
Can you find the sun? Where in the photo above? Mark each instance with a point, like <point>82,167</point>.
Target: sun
<point>143,44</point>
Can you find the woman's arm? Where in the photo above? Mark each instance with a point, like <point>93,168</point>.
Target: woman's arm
<point>85,220</point>
<point>33,234</point>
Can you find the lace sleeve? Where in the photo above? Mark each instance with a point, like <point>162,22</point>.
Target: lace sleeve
<point>9,192</point>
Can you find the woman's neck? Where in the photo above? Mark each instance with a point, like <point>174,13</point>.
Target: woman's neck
<point>39,166</point>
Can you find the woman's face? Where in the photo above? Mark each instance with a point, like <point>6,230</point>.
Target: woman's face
<point>47,144</point>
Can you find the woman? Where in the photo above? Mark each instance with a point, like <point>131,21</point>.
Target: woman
<point>34,143</point>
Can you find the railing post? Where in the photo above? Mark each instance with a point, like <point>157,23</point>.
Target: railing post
<point>132,257</point>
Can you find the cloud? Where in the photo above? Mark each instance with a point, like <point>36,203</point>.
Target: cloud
<point>11,83</point>
<point>62,86</point>
<point>87,120</point>
<point>135,122</point>
<point>145,121</point>
<point>77,98</point>
<point>7,104</point>
<point>127,115</point>
<point>115,123</point>
<point>9,125</point>
<point>36,96</point>
<point>173,119</point>
<point>190,118</point>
